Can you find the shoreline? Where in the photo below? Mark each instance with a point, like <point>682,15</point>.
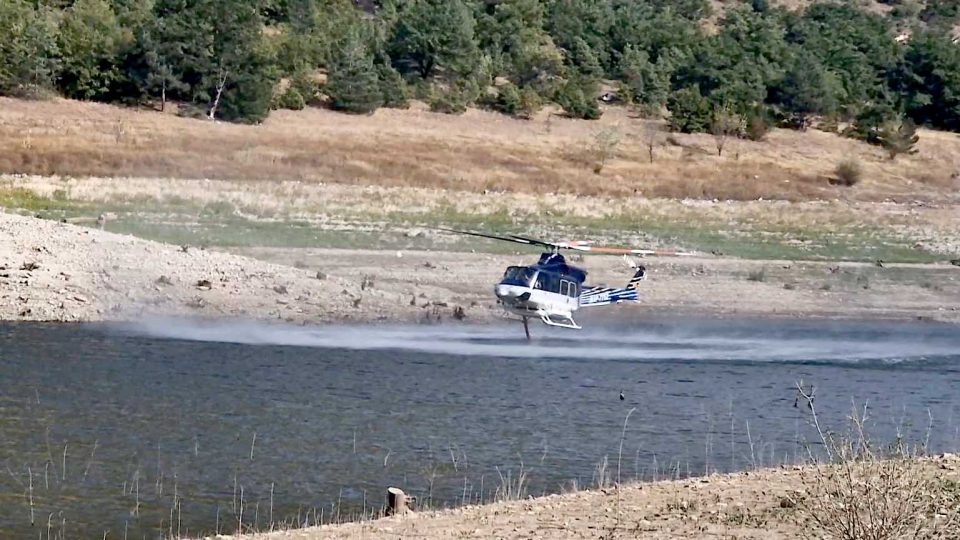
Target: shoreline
<point>776,502</point>
<point>67,273</point>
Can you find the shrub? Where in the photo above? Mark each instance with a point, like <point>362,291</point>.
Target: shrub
<point>849,171</point>
<point>449,101</point>
<point>530,103</point>
<point>508,99</point>
<point>757,275</point>
<point>871,491</point>
<point>757,124</point>
<point>725,124</point>
<point>575,98</point>
<point>393,88</point>
<point>604,147</point>
<point>899,138</point>
<point>291,99</point>
<point>690,112</point>
<point>869,124</point>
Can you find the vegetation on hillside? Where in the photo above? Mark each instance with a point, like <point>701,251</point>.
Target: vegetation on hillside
<point>754,65</point>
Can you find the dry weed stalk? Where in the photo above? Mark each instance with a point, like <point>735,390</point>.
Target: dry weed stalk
<point>865,492</point>
<point>511,488</point>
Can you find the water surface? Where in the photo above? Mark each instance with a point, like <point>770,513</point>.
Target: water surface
<point>179,426</point>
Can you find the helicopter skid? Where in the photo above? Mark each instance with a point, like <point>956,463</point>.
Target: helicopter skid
<point>550,319</point>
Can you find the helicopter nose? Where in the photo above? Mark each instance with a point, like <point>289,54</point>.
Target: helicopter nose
<point>506,292</point>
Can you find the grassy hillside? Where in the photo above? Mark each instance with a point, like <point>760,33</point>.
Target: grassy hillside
<point>478,151</point>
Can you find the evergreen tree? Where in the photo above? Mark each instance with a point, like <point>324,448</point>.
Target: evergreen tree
<point>89,40</point>
<point>693,10</point>
<point>739,65</point>
<point>943,14</point>
<point>929,80</point>
<point>647,83</point>
<point>511,33</point>
<point>508,99</point>
<point>871,121</point>
<point>857,46</point>
<point>392,87</point>
<point>353,83</point>
<point>583,61</point>
<point>690,112</point>
<point>658,32</point>
<point>28,49</point>
<point>161,48</point>
<point>432,35</point>
<point>807,88</point>
<point>248,95</point>
<point>577,98</point>
<point>589,21</point>
<point>239,72</point>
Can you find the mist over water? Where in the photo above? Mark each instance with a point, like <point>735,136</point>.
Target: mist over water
<point>687,340</point>
<point>180,413</point>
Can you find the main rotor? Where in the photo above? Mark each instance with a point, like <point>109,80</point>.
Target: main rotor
<point>581,246</point>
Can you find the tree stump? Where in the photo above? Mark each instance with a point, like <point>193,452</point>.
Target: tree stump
<point>396,502</point>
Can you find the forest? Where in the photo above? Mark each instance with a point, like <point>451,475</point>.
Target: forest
<point>752,66</point>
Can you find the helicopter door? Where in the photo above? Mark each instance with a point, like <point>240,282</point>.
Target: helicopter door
<point>569,290</point>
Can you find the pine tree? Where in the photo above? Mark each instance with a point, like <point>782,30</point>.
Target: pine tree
<point>28,49</point>
<point>588,20</point>
<point>435,35</point>
<point>353,83</point>
<point>929,80</point>
<point>583,61</point>
<point>648,83</point>
<point>690,112</point>
<point>89,40</point>
<point>392,87</point>
<point>577,98</point>
<point>238,70</point>
<point>807,88</point>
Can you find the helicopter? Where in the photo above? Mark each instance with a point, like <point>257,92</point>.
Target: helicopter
<point>551,290</point>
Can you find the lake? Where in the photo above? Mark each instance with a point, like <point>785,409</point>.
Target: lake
<point>187,427</point>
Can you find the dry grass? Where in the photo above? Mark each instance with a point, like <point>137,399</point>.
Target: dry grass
<point>760,504</point>
<point>477,151</point>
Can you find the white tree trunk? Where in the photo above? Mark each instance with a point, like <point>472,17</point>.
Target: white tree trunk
<point>221,82</point>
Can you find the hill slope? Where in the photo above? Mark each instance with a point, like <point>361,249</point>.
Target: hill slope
<point>478,151</point>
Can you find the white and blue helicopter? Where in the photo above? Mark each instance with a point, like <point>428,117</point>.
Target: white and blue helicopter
<point>552,289</point>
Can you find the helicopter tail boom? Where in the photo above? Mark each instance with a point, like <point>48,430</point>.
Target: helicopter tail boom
<point>605,296</point>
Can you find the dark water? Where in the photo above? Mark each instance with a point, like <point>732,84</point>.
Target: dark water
<point>167,426</point>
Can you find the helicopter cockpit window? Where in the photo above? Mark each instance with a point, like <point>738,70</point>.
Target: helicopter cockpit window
<point>548,281</point>
<point>519,275</point>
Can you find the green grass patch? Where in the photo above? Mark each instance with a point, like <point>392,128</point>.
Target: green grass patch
<point>24,199</point>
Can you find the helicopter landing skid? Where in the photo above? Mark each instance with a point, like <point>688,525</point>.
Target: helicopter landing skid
<point>561,321</point>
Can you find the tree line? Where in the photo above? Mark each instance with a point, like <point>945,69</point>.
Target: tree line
<point>755,66</point>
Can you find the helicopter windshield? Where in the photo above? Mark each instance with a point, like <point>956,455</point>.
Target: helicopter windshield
<point>519,275</point>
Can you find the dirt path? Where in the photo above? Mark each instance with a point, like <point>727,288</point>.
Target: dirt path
<point>763,504</point>
<point>52,271</point>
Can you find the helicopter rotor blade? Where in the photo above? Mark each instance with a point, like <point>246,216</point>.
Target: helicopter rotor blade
<point>511,238</point>
<point>579,245</point>
<point>535,242</point>
<point>606,250</point>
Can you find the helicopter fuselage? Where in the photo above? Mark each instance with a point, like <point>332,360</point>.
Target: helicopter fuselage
<point>553,290</point>
<point>549,290</point>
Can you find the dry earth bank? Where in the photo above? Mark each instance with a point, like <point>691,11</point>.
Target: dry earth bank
<point>762,504</point>
<point>62,272</point>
